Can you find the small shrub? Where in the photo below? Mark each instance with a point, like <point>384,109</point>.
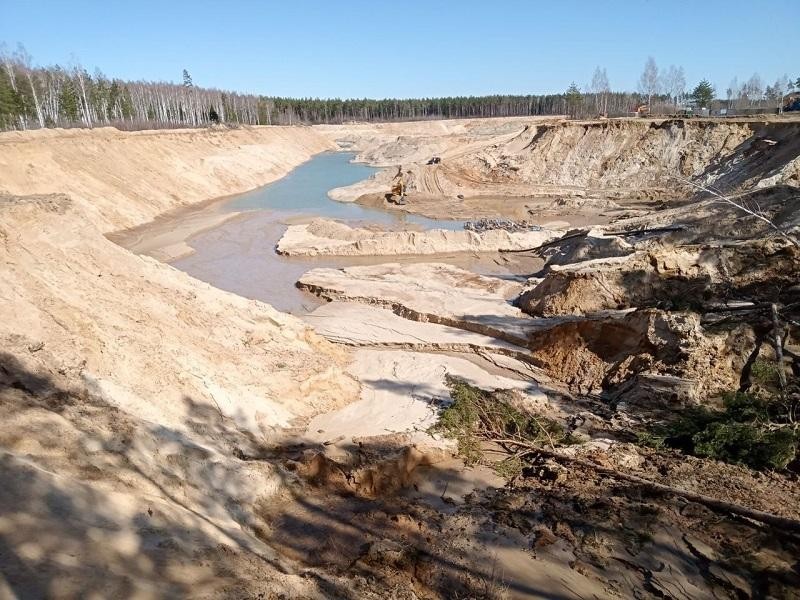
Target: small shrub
<point>745,408</point>
<point>475,416</point>
<point>752,430</point>
<point>650,440</point>
<point>509,468</point>
<point>459,420</point>
<point>680,433</point>
<point>764,373</point>
<point>747,444</point>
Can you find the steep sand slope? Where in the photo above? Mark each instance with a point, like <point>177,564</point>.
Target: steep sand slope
<point>123,179</point>
<point>133,399</point>
<point>641,156</point>
<point>147,337</point>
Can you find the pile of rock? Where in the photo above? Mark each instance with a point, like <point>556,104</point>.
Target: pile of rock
<point>508,225</point>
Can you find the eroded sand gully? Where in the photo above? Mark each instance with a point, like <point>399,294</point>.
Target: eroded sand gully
<point>212,446</point>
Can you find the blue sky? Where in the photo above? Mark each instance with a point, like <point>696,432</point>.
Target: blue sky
<point>354,48</point>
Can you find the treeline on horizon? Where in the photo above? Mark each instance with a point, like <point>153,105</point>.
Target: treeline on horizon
<point>37,97</point>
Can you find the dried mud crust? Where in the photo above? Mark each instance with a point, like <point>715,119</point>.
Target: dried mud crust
<point>556,532</point>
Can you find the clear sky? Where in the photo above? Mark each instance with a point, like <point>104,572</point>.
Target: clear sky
<point>355,48</point>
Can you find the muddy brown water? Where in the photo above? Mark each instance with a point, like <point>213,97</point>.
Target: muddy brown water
<point>239,255</point>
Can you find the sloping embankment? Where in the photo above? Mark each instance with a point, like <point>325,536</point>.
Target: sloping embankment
<point>618,159</point>
<point>123,179</point>
<point>132,396</point>
<point>639,155</point>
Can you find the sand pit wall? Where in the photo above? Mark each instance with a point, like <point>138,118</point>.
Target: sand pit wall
<point>622,159</point>
<point>123,179</point>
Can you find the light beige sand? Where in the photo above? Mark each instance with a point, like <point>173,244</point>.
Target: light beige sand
<point>166,237</point>
<point>124,179</point>
<point>328,238</point>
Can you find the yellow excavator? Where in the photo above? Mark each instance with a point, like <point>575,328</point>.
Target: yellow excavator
<point>397,195</point>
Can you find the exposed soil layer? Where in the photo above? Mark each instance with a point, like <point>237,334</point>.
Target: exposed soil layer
<point>549,170</point>
<point>587,354</point>
<point>693,276</point>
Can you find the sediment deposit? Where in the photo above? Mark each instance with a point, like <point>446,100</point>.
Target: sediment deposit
<point>323,237</point>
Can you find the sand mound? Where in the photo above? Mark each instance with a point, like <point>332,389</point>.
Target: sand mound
<point>322,237</point>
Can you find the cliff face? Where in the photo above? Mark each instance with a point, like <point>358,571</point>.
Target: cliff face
<point>550,158</point>
<point>644,156</point>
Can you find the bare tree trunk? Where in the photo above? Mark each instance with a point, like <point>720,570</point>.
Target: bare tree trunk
<point>36,104</point>
<point>87,117</point>
<point>744,209</point>
<point>776,332</point>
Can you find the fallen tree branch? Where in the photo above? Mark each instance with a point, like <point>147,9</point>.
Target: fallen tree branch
<point>581,234</point>
<point>739,206</point>
<point>647,230</point>
<point>572,236</point>
<point>784,523</point>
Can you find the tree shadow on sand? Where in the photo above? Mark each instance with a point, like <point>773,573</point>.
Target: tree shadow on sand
<point>93,502</point>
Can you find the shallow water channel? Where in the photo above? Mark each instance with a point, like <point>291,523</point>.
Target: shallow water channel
<point>239,255</point>
<point>304,192</point>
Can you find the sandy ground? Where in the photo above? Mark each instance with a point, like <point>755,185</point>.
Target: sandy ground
<point>173,437</point>
<point>324,237</point>
<point>166,237</point>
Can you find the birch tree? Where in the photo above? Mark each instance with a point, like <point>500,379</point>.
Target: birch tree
<point>776,91</point>
<point>733,92</point>
<point>753,89</point>
<point>600,89</point>
<point>649,80</point>
<point>23,60</point>
<point>675,83</point>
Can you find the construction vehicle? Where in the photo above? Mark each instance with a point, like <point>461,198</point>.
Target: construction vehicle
<point>791,102</point>
<point>397,195</point>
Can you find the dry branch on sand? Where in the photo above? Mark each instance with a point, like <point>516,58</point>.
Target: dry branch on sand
<point>477,418</point>
<point>754,210</point>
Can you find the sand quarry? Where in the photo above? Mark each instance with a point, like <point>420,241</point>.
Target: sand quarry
<point>163,438</point>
